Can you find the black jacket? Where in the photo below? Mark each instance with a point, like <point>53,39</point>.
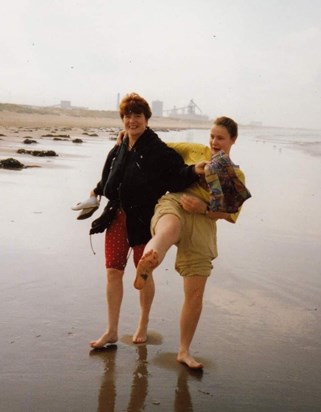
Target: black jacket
<point>134,181</point>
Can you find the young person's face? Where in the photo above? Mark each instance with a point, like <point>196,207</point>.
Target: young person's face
<point>220,139</point>
<point>135,124</point>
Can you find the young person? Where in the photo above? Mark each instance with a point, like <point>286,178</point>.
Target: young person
<point>185,220</point>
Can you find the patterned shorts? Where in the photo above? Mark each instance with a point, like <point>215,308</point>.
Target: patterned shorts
<point>117,248</point>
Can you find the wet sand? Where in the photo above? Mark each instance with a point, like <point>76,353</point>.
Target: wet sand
<point>259,335</point>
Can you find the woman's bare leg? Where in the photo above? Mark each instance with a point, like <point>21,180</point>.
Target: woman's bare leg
<point>146,296</point>
<point>194,287</point>
<point>114,297</point>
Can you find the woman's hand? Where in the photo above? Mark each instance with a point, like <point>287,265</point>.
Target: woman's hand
<point>193,204</point>
<point>199,167</point>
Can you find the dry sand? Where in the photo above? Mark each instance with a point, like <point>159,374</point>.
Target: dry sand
<point>10,117</point>
<point>259,336</point>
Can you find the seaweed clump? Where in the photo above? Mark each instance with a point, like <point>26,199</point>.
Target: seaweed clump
<point>38,153</point>
<point>11,163</point>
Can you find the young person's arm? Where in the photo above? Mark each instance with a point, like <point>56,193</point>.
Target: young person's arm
<point>193,204</point>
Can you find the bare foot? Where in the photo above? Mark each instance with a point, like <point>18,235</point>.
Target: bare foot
<point>140,336</point>
<point>103,340</point>
<point>188,360</point>
<point>145,267</point>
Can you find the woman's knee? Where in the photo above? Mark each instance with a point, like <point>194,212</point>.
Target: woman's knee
<point>114,275</point>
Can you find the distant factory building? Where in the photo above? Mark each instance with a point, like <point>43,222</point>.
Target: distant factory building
<point>157,108</point>
<point>65,104</point>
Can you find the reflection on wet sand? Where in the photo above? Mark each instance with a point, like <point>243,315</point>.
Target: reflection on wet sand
<point>183,398</point>
<point>139,390</point>
<point>107,392</point>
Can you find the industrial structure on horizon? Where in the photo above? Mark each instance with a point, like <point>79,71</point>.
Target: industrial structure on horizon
<point>189,112</point>
<point>66,105</point>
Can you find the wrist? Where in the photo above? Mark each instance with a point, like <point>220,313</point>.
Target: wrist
<point>206,211</point>
<point>195,171</point>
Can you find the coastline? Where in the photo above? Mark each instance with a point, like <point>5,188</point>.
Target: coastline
<point>20,117</point>
<point>42,126</point>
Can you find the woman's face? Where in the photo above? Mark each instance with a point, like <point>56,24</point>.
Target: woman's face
<point>220,139</point>
<point>135,124</point>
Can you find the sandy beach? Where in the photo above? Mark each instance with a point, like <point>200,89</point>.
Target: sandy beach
<point>259,335</point>
<point>21,116</point>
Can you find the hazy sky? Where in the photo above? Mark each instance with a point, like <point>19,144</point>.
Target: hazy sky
<point>254,60</point>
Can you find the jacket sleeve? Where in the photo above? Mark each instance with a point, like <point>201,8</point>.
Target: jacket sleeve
<point>176,173</point>
<point>98,190</point>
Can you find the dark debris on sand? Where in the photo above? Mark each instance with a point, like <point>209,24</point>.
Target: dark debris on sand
<point>14,164</point>
<point>28,140</point>
<point>38,153</point>
<point>11,163</point>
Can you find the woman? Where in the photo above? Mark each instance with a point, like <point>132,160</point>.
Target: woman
<point>136,174</point>
<point>186,220</point>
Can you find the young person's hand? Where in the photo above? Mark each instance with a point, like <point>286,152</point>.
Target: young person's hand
<point>193,204</point>
<point>120,137</point>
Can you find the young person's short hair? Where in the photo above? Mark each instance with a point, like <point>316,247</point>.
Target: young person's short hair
<point>229,124</point>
